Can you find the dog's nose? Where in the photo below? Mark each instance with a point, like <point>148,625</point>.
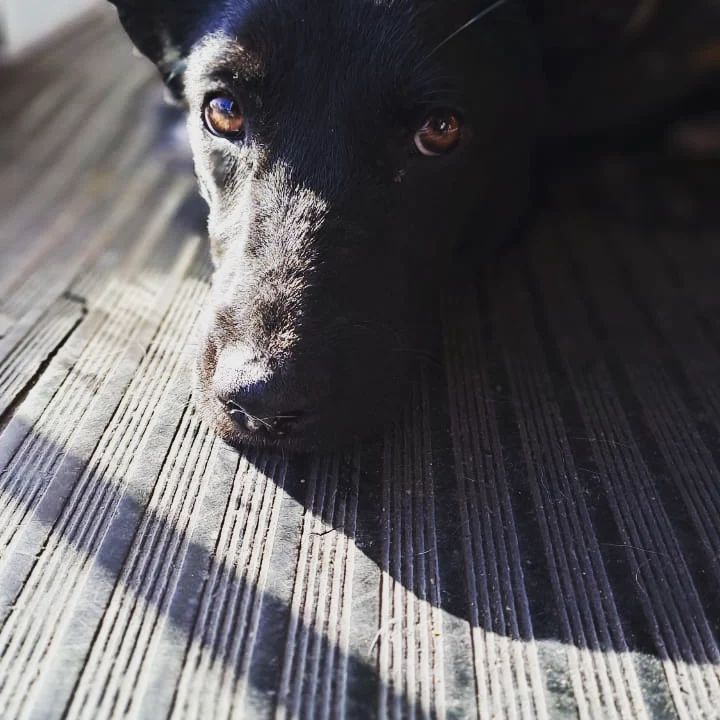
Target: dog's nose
<point>252,395</point>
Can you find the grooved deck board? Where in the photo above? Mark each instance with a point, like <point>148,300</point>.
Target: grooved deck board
<point>535,536</point>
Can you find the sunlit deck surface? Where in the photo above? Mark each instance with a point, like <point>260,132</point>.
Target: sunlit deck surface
<point>538,537</point>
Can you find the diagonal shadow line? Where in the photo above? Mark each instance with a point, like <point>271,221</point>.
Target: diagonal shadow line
<point>180,606</point>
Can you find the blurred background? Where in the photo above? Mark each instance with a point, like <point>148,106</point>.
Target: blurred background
<point>24,23</point>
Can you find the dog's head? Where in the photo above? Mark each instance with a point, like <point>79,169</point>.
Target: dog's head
<point>345,148</point>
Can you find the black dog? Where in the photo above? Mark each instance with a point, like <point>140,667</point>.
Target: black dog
<point>345,148</point>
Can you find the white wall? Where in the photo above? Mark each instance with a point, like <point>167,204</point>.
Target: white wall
<point>25,22</point>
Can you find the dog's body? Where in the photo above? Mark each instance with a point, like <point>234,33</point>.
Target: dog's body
<point>344,148</point>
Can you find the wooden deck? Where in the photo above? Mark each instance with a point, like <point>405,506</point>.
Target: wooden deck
<point>538,537</point>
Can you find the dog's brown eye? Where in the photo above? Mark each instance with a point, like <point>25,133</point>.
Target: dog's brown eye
<point>224,118</point>
<point>440,133</point>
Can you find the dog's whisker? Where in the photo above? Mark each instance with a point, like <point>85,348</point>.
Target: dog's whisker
<point>476,18</point>
<point>238,409</point>
<point>263,421</point>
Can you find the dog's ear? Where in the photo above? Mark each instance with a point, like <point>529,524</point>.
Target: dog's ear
<point>164,31</point>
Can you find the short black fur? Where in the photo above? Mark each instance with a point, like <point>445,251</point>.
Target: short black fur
<point>332,235</point>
